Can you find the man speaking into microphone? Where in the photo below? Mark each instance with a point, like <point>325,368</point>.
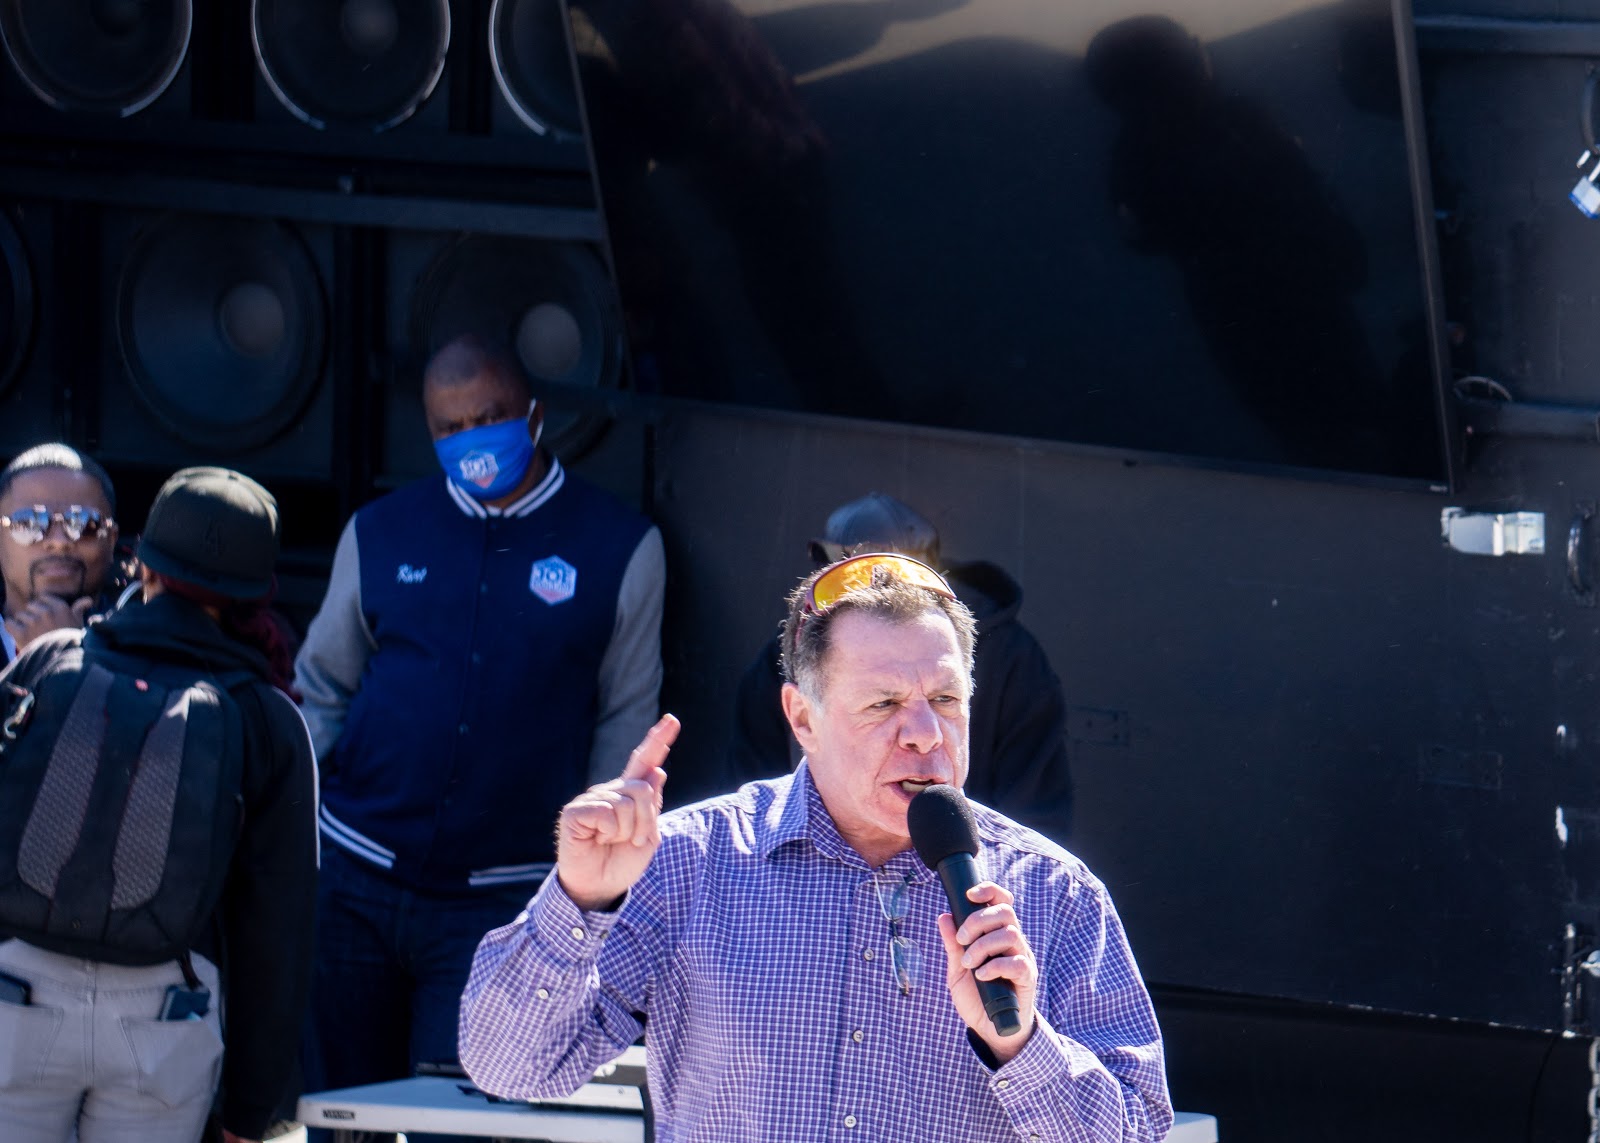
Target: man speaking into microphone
<point>794,958</point>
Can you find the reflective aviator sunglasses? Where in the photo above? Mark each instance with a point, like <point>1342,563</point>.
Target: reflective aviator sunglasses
<point>857,573</point>
<point>30,525</point>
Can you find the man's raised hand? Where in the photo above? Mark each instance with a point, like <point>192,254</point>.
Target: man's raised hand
<point>608,834</point>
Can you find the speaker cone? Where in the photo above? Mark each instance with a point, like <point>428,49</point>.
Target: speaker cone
<point>16,303</point>
<point>549,305</point>
<point>221,326</point>
<point>107,56</point>
<point>528,55</point>
<point>351,63</point>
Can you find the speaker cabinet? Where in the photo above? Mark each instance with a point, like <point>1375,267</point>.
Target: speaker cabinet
<point>28,399</point>
<point>549,305</point>
<point>109,59</point>
<point>217,335</point>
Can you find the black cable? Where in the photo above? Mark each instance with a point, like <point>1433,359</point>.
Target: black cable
<point>1538,1079</point>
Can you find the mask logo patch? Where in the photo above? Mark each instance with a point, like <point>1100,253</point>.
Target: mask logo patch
<point>479,468</point>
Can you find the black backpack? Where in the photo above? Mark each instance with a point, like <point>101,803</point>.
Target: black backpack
<point>121,801</point>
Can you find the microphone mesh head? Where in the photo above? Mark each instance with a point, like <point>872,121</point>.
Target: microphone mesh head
<point>941,824</point>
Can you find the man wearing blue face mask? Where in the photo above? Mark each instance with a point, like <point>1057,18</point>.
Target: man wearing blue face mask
<point>484,636</point>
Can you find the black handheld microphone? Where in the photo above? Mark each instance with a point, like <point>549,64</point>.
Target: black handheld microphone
<point>946,838</point>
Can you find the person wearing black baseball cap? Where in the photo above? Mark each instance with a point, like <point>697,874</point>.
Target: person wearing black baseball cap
<point>207,557</point>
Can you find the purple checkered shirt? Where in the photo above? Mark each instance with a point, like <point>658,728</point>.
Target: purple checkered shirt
<point>757,946</point>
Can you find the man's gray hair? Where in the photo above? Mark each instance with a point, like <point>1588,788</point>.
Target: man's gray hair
<point>807,638</point>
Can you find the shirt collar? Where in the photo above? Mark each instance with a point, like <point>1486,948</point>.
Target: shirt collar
<point>534,498</point>
<point>798,813</point>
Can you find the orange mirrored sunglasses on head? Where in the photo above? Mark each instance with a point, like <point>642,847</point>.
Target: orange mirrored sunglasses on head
<point>855,573</point>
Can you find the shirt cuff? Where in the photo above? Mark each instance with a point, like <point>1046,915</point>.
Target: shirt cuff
<point>563,928</point>
<point>1029,1085</point>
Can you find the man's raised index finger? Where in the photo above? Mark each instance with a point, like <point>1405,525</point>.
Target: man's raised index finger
<point>652,752</point>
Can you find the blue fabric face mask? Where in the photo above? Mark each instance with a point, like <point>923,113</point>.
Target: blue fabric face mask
<point>487,462</point>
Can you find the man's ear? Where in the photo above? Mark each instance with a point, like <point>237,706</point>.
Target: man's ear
<point>801,713</point>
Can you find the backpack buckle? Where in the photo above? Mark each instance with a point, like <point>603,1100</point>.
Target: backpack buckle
<point>21,712</point>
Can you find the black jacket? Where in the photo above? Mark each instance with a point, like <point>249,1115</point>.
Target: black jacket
<point>1018,726</point>
<point>261,934</point>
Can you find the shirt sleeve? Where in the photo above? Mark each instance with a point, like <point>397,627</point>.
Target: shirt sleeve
<point>267,913</point>
<point>338,644</point>
<point>536,1019</point>
<point>630,672</point>
<point>1094,1070</point>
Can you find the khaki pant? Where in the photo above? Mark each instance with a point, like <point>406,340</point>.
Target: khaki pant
<point>90,1053</point>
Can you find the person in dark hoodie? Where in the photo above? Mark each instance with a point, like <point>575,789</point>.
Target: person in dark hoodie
<point>1019,717</point>
<point>98,1050</point>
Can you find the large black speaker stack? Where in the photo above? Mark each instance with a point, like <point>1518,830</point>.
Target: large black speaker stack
<point>231,231</point>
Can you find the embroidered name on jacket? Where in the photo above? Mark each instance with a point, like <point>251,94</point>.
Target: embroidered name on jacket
<point>409,574</point>
<point>553,580</point>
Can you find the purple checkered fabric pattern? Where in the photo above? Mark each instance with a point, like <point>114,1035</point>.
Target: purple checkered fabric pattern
<point>756,946</point>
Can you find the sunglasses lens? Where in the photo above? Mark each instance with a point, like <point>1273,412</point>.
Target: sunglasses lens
<point>28,525</point>
<point>78,520</point>
<point>852,575</point>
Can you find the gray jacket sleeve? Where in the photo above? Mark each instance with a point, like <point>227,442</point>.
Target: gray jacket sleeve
<point>338,644</point>
<point>630,673</point>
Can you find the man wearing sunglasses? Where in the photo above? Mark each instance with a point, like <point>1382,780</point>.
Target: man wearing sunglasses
<point>790,955</point>
<point>57,556</point>
<point>1020,763</point>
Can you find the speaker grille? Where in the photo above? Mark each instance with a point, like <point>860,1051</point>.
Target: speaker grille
<point>104,56</point>
<point>222,328</point>
<point>550,304</point>
<point>528,55</point>
<point>366,64</point>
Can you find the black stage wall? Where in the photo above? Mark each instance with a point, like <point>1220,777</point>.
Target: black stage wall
<point>1334,772</point>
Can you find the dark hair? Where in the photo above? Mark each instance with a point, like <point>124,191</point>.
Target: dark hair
<point>250,622</point>
<point>58,456</point>
<point>806,644</point>
<point>468,357</point>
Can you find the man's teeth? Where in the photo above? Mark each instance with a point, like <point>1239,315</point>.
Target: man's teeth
<point>915,785</point>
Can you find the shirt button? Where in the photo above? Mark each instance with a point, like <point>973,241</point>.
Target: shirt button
<point>850,1121</point>
<point>869,954</point>
<point>462,729</point>
<point>1005,1084</point>
<point>577,933</point>
<point>1035,1138</point>
<point>856,1035</point>
<point>543,994</point>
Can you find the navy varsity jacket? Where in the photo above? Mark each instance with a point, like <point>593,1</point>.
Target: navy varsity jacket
<point>471,669</point>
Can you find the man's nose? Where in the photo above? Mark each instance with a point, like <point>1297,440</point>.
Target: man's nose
<point>919,727</point>
<point>55,534</point>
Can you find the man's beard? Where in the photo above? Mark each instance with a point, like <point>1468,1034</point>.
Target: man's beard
<point>69,595</point>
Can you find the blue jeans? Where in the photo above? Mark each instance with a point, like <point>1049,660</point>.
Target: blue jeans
<point>391,965</point>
